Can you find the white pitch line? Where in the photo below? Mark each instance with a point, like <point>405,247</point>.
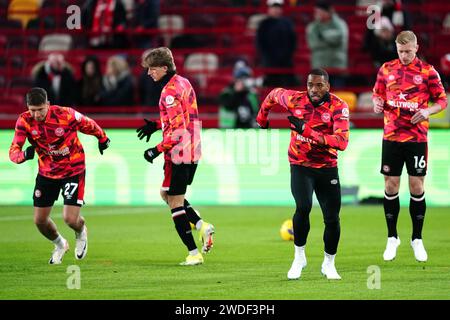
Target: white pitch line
<point>109,212</point>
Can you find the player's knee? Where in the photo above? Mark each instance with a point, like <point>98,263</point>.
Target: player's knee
<point>392,186</point>
<point>416,187</point>
<point>71,220</point>
<point>40,220</point>
<point>331,221</point>
<point>303,210</point>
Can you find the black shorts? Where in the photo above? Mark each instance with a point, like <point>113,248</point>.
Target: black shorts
<point>395,154</point>
<point>46,190</point>
<point>177,177</point>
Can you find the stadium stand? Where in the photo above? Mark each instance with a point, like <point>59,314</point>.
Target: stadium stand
<point>218,30</point>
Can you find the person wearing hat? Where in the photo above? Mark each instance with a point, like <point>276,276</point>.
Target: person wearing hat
<point>238,101</point>
<point>276,42</point>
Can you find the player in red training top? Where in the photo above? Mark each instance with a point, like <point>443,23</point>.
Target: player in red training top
<point>403,90</point>
<point>52,133</point>
<point>181,146</point>
<point>320,127</point>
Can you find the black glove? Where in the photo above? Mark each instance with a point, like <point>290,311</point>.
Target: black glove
<point>103,145</point>
<point>147,130</point>
<point>297,124</point>
<point>29,153</point>
<point>151,154</point>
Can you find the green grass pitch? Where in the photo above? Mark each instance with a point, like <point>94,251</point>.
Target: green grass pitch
<point>134,254</point>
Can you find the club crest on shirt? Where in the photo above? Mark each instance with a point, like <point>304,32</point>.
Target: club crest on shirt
<point>345,112</point>
<point>34,132</point>
<point>298,112</point>
<point>391,77</point>
<point>325,117</point>
<point>59,132</point>
<point>170,100</point>
<point>418,79</point>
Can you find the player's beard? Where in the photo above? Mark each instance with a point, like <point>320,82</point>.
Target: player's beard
<point>325,98</point>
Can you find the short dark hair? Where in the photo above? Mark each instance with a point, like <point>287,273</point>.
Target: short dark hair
<point>320,72</point>
<point>36,97</point>
<point>324,5</point>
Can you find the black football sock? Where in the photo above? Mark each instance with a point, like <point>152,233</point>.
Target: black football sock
<point>183,227</point>
<point>193,217</point>
<point>417,208</point>
<point>391,210</point>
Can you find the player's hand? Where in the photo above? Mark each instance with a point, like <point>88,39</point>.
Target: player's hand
<point>378,105</point>
<point>262,123</point>
<point>147,130</point>
<point>419,116</point>
<point>297,124</point>
<point>151,154</point>
<point>29,153</point>
<point>103,145</point>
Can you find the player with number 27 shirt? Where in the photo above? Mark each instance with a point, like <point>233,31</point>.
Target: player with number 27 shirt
<point>52,133</point>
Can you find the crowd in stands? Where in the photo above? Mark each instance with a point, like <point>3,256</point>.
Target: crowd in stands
<point>233,51</point>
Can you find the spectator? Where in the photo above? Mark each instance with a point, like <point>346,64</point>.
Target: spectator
<point>106,19</point>
<point>117,83</point>
<point>399,18</point>
<point>380,42</point>
<point>145,17</point>
<point>90,84</point>
<point>276,43</point>
<point>327,38</point>
<point>239,101</point>
<point>56,77</point>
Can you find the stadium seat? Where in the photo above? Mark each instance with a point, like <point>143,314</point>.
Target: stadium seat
<point>23,11</point>
<point>200,65</point>
<point>365,102</point>
<point>254,21</point>
<point>170,25</point>
<point>12,104</point>
<point>446,23</point>
<point>56,42</point>
<point>10,24</point>
<point>349,97</point>
<point>208,62</point>
<point>29,42</point>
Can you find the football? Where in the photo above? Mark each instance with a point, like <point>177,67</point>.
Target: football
<point>287,230</point>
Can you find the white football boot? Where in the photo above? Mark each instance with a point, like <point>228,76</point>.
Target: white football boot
<point>328,268</point>
<point>298,265</point>
<point>58,253</point>
<point>81,245</point>
<point>419,250</point>
<point>391,248</point>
